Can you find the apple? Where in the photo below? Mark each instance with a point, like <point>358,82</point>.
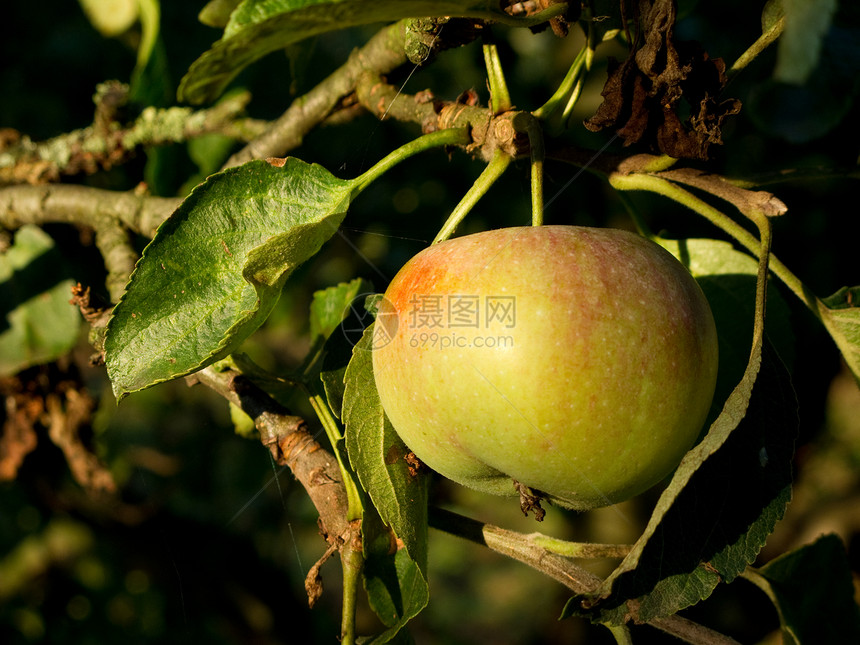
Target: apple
<point>579,362</point>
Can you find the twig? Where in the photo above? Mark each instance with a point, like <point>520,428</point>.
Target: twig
<point>288,439</point>
<point>109,213</point>
<point>107,143</point>
<point>528,550</point>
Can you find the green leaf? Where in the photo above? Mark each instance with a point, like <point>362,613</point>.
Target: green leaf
<point>215,268</point>
<point>37,323</point>
<point>720,505</point>
<point>150,80</point>
<point>216,13</point>
<point>840,314</point>
<point>728,280</point>
<point>396,582</point>
<point>718,522</point>
<point>342,308</point>
<point>259,27</point>
<point>330,307</point>
<point>806,24</point>
<point>397,589</point>
<point>814,594</point>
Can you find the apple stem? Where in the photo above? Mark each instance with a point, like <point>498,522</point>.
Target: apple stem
<point>492,171</point>
<point>525,122</point>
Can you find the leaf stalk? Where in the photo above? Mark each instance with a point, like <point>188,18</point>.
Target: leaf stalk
<point>447,137</point>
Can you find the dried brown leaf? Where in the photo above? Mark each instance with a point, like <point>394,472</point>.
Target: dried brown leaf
<point>642,96</point>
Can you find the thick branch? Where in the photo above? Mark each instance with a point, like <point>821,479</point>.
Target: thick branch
<point>109,213</point>
<point>83,206</point>
<point>382,54</point>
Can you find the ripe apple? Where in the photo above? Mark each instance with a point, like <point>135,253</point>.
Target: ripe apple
<point>580,362</point>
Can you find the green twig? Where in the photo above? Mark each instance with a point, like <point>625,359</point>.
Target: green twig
<point>352,563</point>
<point>564,90</point>
<point>500,97</point>
<point>582,550</point>
<point>492,171</point>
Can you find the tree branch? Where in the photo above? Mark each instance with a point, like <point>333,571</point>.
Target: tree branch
<point>110,214</point>
<point>384,52</point>
<point>106,143</point>
<point>288,439</point>
<point>83,206</point>
<point>528,550</point>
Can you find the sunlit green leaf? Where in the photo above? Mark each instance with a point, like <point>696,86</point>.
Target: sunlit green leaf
<point>215,268</point>
<point>399,495</point>
<point>840,314</point>
<point>259,27</point>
